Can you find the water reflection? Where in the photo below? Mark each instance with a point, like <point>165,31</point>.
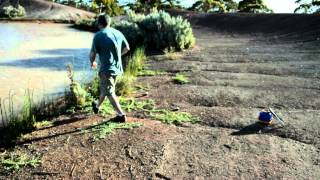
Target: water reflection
<point>34,56</point>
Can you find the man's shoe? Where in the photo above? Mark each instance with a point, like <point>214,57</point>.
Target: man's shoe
<point>119,119</point>
<point>95,108</point>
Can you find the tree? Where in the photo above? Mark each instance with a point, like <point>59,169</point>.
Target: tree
<point>253,6</point>
<point>214,6</point>
<point>308,6</point>
<point>149,5</point>
<point>111,7</point>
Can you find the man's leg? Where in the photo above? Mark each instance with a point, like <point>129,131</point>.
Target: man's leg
<point>116,105</point>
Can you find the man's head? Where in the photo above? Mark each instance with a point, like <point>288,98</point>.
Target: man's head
<point>103,21</point>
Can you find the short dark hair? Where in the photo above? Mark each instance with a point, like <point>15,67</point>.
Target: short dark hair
<point>104,20</point>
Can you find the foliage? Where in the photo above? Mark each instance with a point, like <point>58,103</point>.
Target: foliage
<point>170,117</point>
<point>171,55</point>
<point>147,6</point>
<point>107,128</point>
<point>125,83</point>
<point>12,12</point>
<point>180,79</point>
<point>253,6</point>
<point>147,72</point>
<point>157,30</point>
<point>111,7</point>
<point>209,6</point>
<point>137,61</point>
<point>163,31</point>
<point>43,124</point>
<point>131,104</point>
<point>132,32</point>
<point>308,6</point>
<point>16,161</point>
<point>78,95</point>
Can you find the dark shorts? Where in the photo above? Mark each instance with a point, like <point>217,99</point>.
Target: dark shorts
<point>107,84</point>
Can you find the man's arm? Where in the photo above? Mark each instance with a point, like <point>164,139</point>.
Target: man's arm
<point>125,46</point>
<point>93,54</point>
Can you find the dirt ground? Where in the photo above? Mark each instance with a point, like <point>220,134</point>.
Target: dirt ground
<point>233,74</point>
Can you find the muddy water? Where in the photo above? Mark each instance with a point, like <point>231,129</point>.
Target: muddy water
<point>34,56</point>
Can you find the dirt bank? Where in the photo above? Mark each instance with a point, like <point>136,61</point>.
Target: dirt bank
<point>45,10</point>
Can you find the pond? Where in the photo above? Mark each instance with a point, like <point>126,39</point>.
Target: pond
<point>34,56</point>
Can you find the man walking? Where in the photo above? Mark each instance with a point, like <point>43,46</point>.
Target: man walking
<point>110,44</point>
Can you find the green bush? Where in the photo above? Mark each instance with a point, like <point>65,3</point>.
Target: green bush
<point>157,30</point>
<point>132,32</point>
<point>12,12</point>
<point>162,30</point>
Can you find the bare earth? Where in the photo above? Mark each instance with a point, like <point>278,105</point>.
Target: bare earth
<point>236,69</point>
<point>46,10</point>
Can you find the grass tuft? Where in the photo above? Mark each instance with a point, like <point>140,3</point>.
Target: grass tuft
<point>146,72</point>
<point>43,124</point>
<point>180,79</point>
<point>16,161</point>
<point>170,54</point>
<point>107,128</point>
<point>170,117</point>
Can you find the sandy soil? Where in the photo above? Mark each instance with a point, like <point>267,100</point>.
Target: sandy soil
<point>45,10</point>
<point>233,75</point>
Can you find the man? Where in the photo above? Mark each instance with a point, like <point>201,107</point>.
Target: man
<point>110,44</point>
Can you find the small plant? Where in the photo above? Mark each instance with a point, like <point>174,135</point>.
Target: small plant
<point>107,128</point>
<point>130,105</point>
<point>16,161</point>
<point>170,117</point>
<point>136,62</point>
<point>13,12</point>
<point>180,79</point>
<point>41,124</point>
<point>125,84</point>
<point>171,54</point>
<point>78,95</point>
<point>147,72</point>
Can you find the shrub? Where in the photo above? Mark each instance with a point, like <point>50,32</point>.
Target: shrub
<point>12,12</point>
<point>132,32</point>
<point>157,31</point>
<point>164,31</point>
<point>78,95</point>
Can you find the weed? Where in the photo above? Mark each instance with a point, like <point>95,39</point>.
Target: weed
<point>130,105</point>
<point>137,61</point>
<point>170,117</point>
<point>106,108</point>
<point>125,84</point>
<point>107,128</point>
<point>170,54</point>
<point>180,79</point>
<point>43,124</point>
<point>16,161</point>
<point>146,72</point>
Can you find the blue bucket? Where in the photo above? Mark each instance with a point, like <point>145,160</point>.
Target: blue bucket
<point>265,117</point>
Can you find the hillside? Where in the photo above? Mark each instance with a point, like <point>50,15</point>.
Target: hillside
<point>44,10</point>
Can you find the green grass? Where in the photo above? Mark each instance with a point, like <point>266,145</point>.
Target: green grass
<point>125,84</point>
<point>170,117</point>
<point>16,161</point>
<point>107,128</point>
<point>43,124</point>
<point>130,105</point>
<point>170,54</point>
<point>146,72</point>
<point>180,79</point>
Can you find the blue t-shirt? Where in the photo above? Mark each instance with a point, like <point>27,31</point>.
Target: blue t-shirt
<point>108,44</point>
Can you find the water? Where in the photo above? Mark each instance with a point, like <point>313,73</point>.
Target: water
<point>34,56</point>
